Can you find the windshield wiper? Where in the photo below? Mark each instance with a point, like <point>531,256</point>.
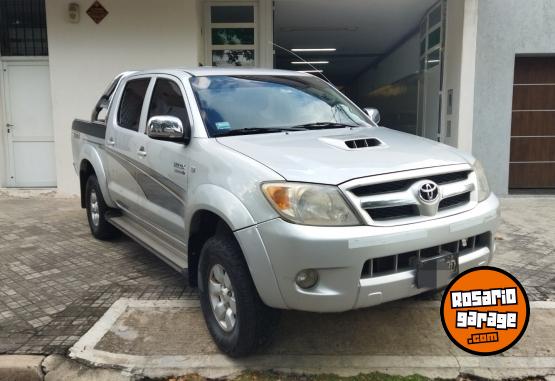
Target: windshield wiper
<point>254,130</point>
<point>323,125</point>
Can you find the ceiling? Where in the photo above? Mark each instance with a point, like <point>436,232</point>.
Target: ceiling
<point>361,30</point>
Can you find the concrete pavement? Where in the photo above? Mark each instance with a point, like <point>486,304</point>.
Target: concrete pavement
<point>161,338</point>
<point>57,282</point>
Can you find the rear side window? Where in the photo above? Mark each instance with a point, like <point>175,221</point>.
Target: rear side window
<point>168,100</point>
<point>129,113</point>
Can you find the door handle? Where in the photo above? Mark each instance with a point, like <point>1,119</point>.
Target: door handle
<point>141,152</point>
<point>111,142</point>
<point>9,125</point>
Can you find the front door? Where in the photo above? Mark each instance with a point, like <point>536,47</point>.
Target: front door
<point>168,161</point>
<point>28,118</point>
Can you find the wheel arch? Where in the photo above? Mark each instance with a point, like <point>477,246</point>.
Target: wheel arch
<point>91,163</point>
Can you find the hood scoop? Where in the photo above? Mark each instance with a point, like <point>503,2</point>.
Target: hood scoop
<point>348,143</point>
<point>363,143</point>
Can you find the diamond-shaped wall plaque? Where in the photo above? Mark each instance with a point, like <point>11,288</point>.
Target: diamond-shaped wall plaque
<point>97,12</point>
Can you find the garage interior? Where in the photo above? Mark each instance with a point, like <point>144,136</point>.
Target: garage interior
<point>382,53</point>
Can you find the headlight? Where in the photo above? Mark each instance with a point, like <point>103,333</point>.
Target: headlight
<point>309,204</point>
<point>483,187</point>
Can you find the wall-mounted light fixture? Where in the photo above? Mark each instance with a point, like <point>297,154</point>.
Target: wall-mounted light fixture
<point>73,13</point>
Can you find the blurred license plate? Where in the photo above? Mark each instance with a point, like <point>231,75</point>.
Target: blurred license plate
<point>437,271</point>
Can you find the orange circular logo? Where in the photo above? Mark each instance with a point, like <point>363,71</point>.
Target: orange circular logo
<point>485,311</point>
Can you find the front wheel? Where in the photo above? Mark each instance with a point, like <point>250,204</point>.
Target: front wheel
<point>236,317</point>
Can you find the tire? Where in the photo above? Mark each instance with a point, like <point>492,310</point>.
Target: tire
<point>255,322</point>
<point>96,211</point>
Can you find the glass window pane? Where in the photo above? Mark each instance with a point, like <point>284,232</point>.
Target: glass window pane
<point>23,28</point>
<point>433,59</point>
<point>168,100</point>
<point>131,103</point>
<point>232,13</point>
<point>435,16</point>
<point>233,36</point>
<point>422,46</point>
<point>434,38</point>
<point>230,57</point>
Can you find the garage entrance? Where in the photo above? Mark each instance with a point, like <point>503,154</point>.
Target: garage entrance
<point>385,54</point>
<point>532,160</point>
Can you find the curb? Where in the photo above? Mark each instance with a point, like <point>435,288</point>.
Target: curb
<point>21,368</point>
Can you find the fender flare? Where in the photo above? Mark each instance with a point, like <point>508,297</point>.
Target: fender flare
<point>92,155</point>
<point>231,210</point>
<point>221,202</point>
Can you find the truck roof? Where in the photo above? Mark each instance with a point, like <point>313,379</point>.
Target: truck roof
<point>210,71</point>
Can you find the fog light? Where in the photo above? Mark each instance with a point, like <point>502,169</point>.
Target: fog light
<point>307,278</point>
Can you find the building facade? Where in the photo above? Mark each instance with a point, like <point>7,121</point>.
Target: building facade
<point>475,74</point>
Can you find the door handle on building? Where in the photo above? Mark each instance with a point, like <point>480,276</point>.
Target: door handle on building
<point>9,126</point>
<point>141,152</point>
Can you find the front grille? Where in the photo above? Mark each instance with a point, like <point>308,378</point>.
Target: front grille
<point>390,199</point>
<point>394,212</point>
<point>407,261</point>
<point>455,201</point>
<point>401,185</point>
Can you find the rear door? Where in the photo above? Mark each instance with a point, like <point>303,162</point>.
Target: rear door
<point>168,161</point>
<point>125,145</point>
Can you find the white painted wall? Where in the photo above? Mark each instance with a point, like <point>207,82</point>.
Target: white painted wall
<point>399,64</point>
<point>84,57</point>
<point>458,74</point>
<point>506,28</point>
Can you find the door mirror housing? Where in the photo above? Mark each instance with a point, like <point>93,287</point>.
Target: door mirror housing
<point>373,113</point>
<point>167,127</point>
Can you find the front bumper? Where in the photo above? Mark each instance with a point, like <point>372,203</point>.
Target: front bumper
<point>339,254</point>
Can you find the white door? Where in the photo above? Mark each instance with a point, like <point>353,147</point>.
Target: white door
<point>28,117</point>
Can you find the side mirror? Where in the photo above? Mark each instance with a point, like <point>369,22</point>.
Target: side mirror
<point>374,114</point>
<point>166,127</point>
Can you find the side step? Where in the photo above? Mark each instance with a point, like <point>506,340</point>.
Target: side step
<point>159,244</point>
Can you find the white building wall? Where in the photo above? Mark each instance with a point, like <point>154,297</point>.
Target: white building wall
<point>459,60</point>
<point>506,28</point>
<point>84,57</point>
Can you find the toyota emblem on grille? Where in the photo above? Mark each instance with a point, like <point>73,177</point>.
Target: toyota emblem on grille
<point>428,192</point>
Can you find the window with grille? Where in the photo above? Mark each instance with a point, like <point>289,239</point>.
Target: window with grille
<point>23,28</point>
<point>231,34</point>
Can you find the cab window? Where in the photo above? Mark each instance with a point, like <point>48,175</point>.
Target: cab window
<point>129,113</point>
<point>168,100</point>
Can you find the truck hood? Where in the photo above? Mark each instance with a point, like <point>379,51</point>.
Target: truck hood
<point>323,156</point>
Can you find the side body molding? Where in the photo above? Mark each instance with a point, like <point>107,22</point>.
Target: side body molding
<point>91,153</point>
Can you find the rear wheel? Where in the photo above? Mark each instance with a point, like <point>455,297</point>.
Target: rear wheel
<point>236,317</point>
<point>96,211</point>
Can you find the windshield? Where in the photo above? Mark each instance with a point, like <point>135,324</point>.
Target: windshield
<point>232,105</point>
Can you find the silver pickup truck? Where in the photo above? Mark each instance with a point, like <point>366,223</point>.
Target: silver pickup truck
<point>271,190</point>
